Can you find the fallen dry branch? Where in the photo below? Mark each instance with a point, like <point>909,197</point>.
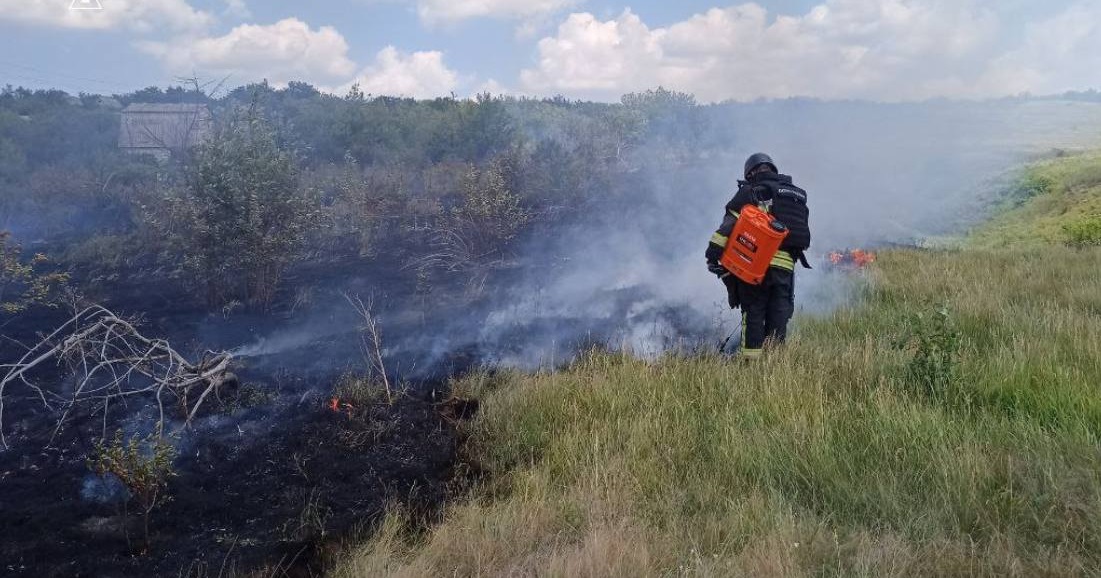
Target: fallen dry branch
<point>109,361</point>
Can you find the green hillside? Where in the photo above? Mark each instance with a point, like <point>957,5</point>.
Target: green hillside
<point>1055,201</point>
<point>945,423</point>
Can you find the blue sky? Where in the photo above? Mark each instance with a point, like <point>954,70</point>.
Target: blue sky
<point>597,49</point>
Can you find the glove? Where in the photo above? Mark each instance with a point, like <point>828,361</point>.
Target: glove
<point>732,297</point>
<point>717,269</point>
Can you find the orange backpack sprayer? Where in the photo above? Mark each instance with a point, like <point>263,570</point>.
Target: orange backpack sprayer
<point>752,245</point>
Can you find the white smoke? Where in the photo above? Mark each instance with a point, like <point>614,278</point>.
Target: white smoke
<point>876,174</point>
<point>633,276</point>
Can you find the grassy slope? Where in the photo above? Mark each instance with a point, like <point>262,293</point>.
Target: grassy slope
<point>828,458</point>
<point>1053,196</point>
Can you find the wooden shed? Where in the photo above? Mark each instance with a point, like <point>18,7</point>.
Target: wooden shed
<point>161,129</point>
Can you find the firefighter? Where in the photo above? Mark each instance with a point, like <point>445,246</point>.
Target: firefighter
<point>766,308</point>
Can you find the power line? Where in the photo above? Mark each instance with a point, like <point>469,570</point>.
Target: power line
<point>58,74</point>
<point>60,78</point>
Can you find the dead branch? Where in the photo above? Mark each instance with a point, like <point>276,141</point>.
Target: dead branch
<point>371,340</point>
<point>109,361</point>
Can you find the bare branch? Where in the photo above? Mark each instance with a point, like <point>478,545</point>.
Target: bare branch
<point>108,359</point>
<point>371,340</point>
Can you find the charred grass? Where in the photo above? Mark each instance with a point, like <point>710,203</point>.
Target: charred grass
<point>831,457</point>
<point>271,492</point>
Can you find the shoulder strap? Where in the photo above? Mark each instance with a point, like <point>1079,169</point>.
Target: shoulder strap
<point>757,197</point>
<point>803,261</point>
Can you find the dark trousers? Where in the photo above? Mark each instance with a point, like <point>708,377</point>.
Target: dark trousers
<point>766,310</point>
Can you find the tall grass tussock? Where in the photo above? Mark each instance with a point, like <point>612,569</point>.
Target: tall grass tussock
<point>945,423</point>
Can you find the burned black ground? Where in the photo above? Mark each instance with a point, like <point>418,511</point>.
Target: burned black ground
<point>270,478</point>
<point>268,481</point>
<point>268,489</point>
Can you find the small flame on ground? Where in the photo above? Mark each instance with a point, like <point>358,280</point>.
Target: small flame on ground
<point>854,258</point>
<point>338,406</point>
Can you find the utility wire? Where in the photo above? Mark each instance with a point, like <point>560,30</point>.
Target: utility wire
<point>36,69</point>
<point>56,78</point>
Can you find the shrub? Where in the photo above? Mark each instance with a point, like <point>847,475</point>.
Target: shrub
<point>1032,184</point>
<point>474,236</point>
<point>20,285</point>
<point>935,342</point>
<point>1085,232</point>
<point>491,212</point>
<point>352,208</point>
<point>242,217</point>
<point>143,466</point>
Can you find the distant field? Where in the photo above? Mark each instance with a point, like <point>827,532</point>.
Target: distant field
<point>945,423</point>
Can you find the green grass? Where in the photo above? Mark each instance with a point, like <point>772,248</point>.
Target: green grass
<point>1056,201</point>
<point>833,456</point>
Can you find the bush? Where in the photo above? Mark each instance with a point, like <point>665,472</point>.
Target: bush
<point>358,209</point>
<point>20,285</point>
<point>935,343</point>
<point>1085,232</point>
<point>143,466</point>
<point>491,212</point>
<point>1032,184</point>
<point>242,217</point>
<point>474,236</point>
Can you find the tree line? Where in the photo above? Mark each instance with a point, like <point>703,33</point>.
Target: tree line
<point>438,187</point>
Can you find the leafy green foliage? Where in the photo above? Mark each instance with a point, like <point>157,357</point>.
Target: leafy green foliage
<point>935,345</point>
<point>420,178</point>
<point>20,285</point>
<point>490,207</point>
<point>475,235</point>
<point>1085,232</point>
<point>354,208</point>
<point>1032,184</point>
<point>242,217</point>
<point>445,186</point>
<point>143,465</point>
<point>674,117</point>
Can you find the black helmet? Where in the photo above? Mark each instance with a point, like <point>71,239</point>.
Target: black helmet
<point>757,160</point>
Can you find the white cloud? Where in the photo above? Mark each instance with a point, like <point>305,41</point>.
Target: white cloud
<point>281,52</point>
<point>878,49</point>
<point>290,50</point>
<point>237,9</point>
<point>455,10</point>
<point>1059,54</point>
<point>493,87</point>
<point>417,74</point>
<point>593,56</point>
<point>136,15</point>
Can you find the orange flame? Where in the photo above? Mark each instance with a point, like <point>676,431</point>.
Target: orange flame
<point>853,258</point>
<point>862,258</point>
<point>337,406</point>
